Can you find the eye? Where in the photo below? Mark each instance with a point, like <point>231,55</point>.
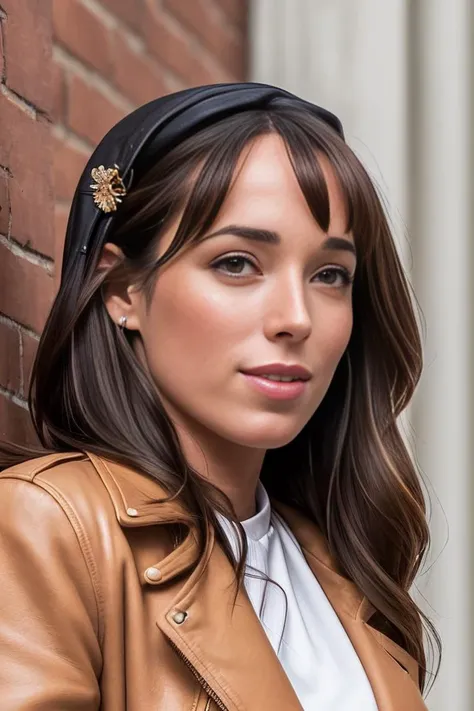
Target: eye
<point>335,277</point>
<point>235,262</point>
<point>233,265</point>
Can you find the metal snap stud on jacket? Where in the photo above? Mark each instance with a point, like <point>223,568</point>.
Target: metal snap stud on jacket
<point>153,574</point>
<point>179,617</point>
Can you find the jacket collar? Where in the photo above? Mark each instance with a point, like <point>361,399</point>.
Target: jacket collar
<point>139,500</point>
<point>214,638</point>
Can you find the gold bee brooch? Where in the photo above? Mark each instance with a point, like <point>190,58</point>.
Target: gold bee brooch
<point>108,187</point>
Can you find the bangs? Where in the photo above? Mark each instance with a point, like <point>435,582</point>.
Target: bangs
<point>201,195</point>
<point>307,142</point>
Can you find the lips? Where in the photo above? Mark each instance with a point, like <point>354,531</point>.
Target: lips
<point>276,389</point>
<point>293,370</point>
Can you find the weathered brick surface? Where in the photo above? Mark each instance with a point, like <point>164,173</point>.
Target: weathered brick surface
<point>29,348</point>
<point>10,365</point>
<point>2,53</point>
<point>82,34</point>
<point>58,90</point>
<point>90,113</point>
<point>27,46</point>
<point>26,195</point>
<point>133,74</point>
<point>61,213</point>
<point>175,52</point>
<point>4,202</point>
<point>28,309</point>
<point>25,151</point>
<point>201,18</point>
<point>15,424</point>
<point>131,12</point>
<point>68,165</point>
<point>236,12</point>
<point>80,65</point>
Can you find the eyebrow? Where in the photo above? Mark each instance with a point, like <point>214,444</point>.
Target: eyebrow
<point>270,237</point>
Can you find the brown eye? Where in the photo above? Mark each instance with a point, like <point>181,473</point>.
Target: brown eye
<point>328,276</point>
<point>233,265</point>
<point>334,276</point>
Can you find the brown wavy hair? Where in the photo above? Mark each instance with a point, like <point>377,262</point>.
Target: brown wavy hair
<point>348,469</point>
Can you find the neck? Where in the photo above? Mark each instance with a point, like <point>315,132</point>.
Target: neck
<point>232,468</point>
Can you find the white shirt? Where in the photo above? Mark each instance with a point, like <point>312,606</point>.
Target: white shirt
<point>312,645</point>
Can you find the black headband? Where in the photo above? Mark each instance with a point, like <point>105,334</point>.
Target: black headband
<point>138,140</point>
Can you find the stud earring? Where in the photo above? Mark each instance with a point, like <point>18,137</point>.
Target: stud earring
<point>123,321</point>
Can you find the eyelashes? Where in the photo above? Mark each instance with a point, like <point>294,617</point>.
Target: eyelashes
<point>332,276</point>
<point>340,272</point>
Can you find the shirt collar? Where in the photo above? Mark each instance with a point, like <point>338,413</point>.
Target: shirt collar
<point>258,525</point>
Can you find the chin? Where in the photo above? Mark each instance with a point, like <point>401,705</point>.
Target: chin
<point>269,439</point>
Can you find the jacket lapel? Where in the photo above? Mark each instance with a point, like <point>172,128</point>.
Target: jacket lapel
<point>391,671</point>
<point>227,647</point>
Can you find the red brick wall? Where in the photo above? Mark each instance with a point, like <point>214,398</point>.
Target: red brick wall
<point>69,70</point>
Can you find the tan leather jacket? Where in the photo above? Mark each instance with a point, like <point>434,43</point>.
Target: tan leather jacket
<point>98,610</point>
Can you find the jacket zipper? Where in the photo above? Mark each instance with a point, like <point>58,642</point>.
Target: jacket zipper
<point>210,692</point>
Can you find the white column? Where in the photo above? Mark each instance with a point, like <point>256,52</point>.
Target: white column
<point>397,74</point>
<point>350,57</point>
<point>442,232</point>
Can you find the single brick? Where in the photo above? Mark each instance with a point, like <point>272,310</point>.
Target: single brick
<point>236,11</point>
<point>82,33</point>
<point>130,11</point>
<point>136,75</point>
<point>174,51</point>
<point>90,113</point>
<point>225,44</point>
<point>28,305</point>
<point>196,16</point>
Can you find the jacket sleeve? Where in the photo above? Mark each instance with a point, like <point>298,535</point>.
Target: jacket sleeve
<point>50,657</point>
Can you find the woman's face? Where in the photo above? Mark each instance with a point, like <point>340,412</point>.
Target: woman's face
<point>229,304</point>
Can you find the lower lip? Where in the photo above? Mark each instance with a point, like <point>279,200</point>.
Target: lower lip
<point>277,389</point>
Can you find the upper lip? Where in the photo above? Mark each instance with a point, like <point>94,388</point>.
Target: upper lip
<point>297,371</point>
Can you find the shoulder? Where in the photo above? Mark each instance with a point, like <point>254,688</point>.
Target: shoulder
<point>99,497</point>
<point>57,507</point>
<point>62,485</point>
<point>69,479</point>
<point>42,538</point>
<point>50,466</point>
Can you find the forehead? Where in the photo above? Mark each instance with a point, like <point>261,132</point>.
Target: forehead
<point>264,183</point>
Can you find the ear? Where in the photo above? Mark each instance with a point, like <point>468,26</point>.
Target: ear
<point>120,297</point>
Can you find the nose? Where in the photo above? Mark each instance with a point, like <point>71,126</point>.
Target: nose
<point>287,311</point>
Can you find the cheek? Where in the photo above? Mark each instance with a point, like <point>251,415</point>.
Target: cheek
<point>334,332</point>
<point>188,328</point>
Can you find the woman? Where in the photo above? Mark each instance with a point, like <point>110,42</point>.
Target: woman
<point>224,514</point>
